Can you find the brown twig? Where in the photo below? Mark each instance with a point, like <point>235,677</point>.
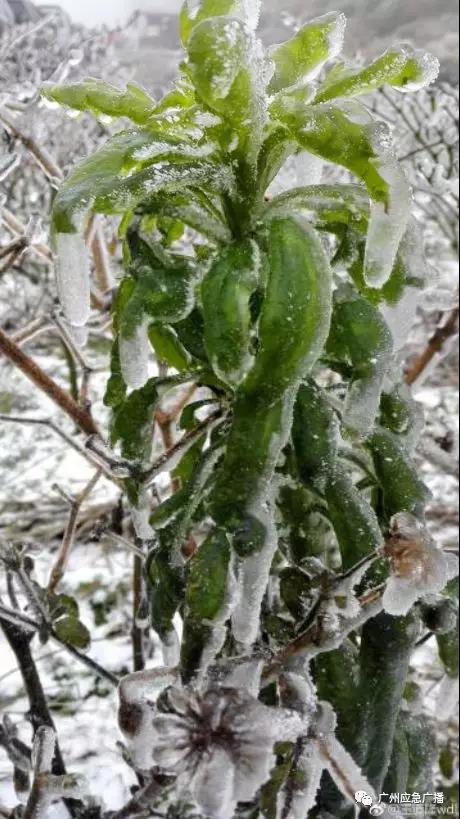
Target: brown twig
<point>41,155</point>
<point>40,379</point>
<point>435,345</point>
<point>167,460</point>
<point>34,328</point>
<point>57,572</point>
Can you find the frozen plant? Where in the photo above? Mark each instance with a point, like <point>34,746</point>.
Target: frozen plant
<point>292,555</point>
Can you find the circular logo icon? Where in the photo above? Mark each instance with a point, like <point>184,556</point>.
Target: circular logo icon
<point>367,801</point>
<point>359,796</point>
<point>377,810</point>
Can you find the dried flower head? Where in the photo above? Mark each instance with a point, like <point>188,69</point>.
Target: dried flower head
<point>219,743</point>
<point>419,567</point>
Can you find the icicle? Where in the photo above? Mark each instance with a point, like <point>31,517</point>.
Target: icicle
<point>134,357</point>
<point>310,768</point>
<point>170,647</point>
<point>253,576</point>
<point>72,275</point>
<point>447,701</point>
<point>387,223</point>
<point>140,516</point>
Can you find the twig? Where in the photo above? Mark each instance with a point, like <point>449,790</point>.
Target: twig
<point>101,257</point>
<point>46,384</point>
<point>167,460</point>
<point>78,359</point>
<point>31,330</point>
<point>57,572</point>
<point>21,621</point>
<point>47,786</point>
<point>41,155</point>
<point>17,228</point>
<point>435,345</point>
<point>72,442</point>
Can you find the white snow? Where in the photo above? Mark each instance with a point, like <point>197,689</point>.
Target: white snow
<point>73,277</point>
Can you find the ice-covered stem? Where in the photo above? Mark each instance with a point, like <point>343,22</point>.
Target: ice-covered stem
<point>40,379</point>
<point>47,787</point>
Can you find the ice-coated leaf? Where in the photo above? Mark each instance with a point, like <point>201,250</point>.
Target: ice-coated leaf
<point>360,338</point>
<point>301,58</point>
<point>402,487</point>
<point>73,277</point>
<point>194,12</point>
<point>226,297</point>
<point>107,181</point>
<point>325,204</point>
<point>72,631</point>
<point>230,73</point>
<point>402,67</point>
<point>207,578</point>
<point>333,135</point>
<point>102,98</point>
<point>133,422</point>
<point>354,520</point>
<point>167,346</point>
<point>315,435</point>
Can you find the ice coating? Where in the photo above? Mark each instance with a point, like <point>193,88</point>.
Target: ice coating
<point>400,317</point>
<point>387,223</point>
<point>336,33</point>
<point>134,357</point>
<point>429,69</point>
<point>73,277</point>
<point>419,567</point>
<point>140,516</point>
<point>447,700</point>
<point>170,647</point>
<point>310,766</point>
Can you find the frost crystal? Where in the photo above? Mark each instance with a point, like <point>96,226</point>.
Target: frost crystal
<point>428,66</point>
<point>419,566</point>
<point>134,357</point>
<point>72,275</point>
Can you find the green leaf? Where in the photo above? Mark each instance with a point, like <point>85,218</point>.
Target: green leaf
<point>189,460</point>
<point>401,66</point>
<point>398,475</point>
<point>226,297</point>
<point>329,133</point>
<point>102,98</point>
<point>229,75</point>
<point>315,435</point>
<point>296,592</point>
<point>116,389</point>
<point>161,294</point>
<point>71,630</point>
<point>387,644</point>
<point>207,577</point>
<point>360,337</point>
<point>168,348</point>
<point>327,204</point>
<point>276,149</point>
<point>295,317</point>
<point>133,422</point>
<point>190,332</point>
<point>167,594</point>
<point>355,522</point>
<point>194,12</point>
<point>101,183</point>
<point>300,58</point>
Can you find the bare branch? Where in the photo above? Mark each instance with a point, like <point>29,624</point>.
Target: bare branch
<point>46,384</point>
<point>40,154</point>
<point>435,345</point>
<point>57,572</point>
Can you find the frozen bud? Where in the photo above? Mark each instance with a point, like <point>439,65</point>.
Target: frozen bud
<point>419,567</point>
<point>220,743</point>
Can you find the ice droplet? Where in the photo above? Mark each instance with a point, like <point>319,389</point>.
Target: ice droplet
<point>428,66</point>
<point>134,357</point>
<point>72,276</point>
